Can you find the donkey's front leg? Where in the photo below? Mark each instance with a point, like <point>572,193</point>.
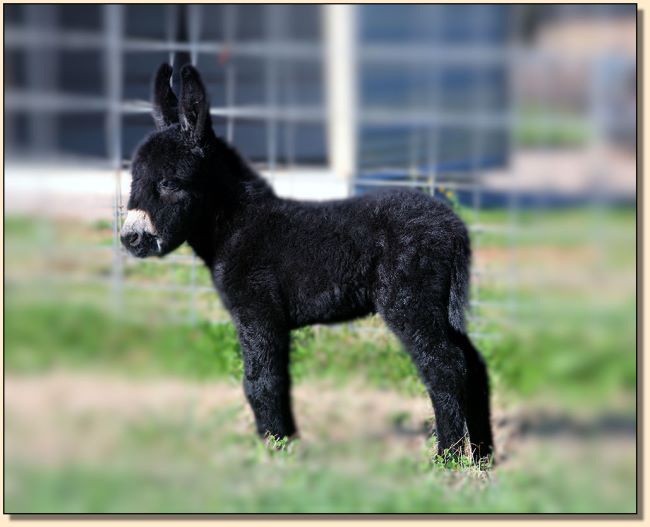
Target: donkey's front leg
<point>267,385</point>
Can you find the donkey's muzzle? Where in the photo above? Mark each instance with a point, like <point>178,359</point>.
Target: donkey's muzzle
<point>140,244</point>
<point>139,234</point>
<point>132,239</point>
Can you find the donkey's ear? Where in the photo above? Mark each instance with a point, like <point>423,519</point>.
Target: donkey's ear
<point>194,108</point>
<point>165,104</point>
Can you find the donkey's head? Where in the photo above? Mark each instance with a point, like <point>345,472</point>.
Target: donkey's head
<point>169,168</point>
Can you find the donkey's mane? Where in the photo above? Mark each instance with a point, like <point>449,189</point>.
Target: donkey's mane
<point>239,173</point>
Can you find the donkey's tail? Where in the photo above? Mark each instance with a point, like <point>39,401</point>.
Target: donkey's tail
<point>459,289</point>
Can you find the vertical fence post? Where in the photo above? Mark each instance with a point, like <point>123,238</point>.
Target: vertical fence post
<point>432,132</point>
<point>340,24</point>
<point>476,132</point>
<point>41,62</point>
<point>113,32</point>
<point>271,85</point>
<point>194,20</point>
<point>230,23</point>
<point>513,90</point>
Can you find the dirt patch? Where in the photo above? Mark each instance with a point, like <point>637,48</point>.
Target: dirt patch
<point>537,255</point>
<point>64,417</point>
<point>47,415</point>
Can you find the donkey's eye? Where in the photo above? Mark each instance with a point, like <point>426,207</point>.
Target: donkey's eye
<point>168,185</point>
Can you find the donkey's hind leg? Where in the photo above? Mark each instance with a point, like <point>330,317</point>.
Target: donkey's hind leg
<point>443,371</point>
<point>442,366</point>
<point>478,400</point>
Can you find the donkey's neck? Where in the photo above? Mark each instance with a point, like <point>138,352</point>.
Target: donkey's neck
<point>237,189</point>
<point>233,171</point>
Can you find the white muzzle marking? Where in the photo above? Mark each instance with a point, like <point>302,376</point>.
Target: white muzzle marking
<point>138,221</point>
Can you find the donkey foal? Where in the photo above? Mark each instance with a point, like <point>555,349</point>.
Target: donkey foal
<point>280,264</point>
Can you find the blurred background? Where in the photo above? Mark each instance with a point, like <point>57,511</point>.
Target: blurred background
<point>521,117</point>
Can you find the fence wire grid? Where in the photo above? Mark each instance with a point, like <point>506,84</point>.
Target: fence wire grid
<point>265,68</point>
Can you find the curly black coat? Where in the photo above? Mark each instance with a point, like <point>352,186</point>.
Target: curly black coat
<point>280,264</point>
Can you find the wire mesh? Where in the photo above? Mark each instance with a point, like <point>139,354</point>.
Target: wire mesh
<point>264,68</point>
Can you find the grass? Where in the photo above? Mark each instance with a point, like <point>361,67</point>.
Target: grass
<point>193,465</point>
<point>540,129</point>
<point>580,342</point>
<point>284,488</point>
<point>81,337</point>
<point>568,346</point>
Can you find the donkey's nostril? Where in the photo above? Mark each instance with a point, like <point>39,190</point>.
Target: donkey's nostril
<point>134,239</point>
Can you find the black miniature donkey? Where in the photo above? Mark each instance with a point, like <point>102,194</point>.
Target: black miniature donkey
<point>280,264</point>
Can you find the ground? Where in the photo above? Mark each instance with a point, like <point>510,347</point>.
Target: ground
<point>128,412</point>
<point>82,442</point>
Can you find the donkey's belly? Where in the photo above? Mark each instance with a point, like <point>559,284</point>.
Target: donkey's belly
<point>329,306</point>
